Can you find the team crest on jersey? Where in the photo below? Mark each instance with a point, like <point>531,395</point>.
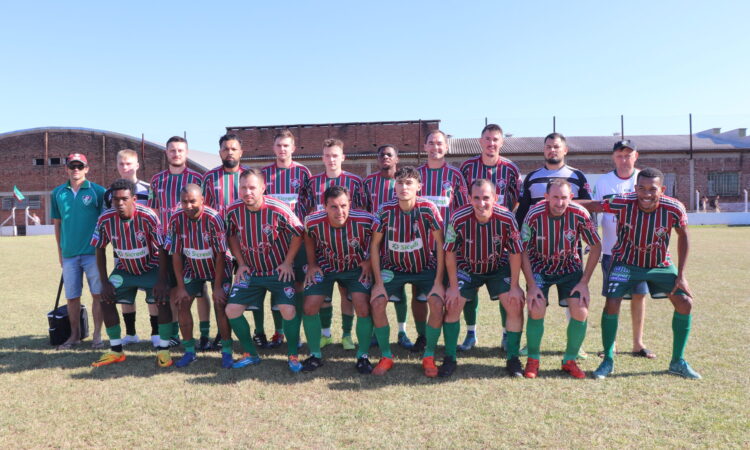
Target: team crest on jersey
<point>86,199</point>
<point>141,236</point>
<point>496,239</point>
<point>525,232</point>
<point>661,232</point>
<point>447,186</point>
<point>570,235</point>
<point>289,292</point>
<point>206,237</point>
<point>267,229</point>
<point>354,243</point>
<point>501,184</point>
<point>294,183</point>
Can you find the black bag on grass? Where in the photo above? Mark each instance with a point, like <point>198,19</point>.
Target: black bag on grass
<point>59,324</point>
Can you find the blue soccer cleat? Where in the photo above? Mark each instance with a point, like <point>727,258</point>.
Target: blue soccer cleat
<point>246,360</point>
<point>186,359</point>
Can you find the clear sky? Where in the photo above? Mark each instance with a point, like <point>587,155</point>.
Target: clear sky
<point>161,68</point>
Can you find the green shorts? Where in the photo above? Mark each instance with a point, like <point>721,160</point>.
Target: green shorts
<point>194,287</point>
<point>498,282</point>
<point>565,284</point>
<point>126,285</point>
<point>251,291</point>
<point>622,278</point>
<point>395,281</point>
<point>300,265</point>
<point>349,279</point>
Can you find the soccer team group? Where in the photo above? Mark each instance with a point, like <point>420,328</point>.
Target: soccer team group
<point>445,232</point>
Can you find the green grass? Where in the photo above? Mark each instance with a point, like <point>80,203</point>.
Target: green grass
<point>54,399</point>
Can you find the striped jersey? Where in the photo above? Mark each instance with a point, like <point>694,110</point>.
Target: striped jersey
<point>643,238</point>
<point>264,235</point>
<point>199,241</point>
<point>445,187</point>
<point>221,188</point>
<point>505,175</point>
<point>378,190</point>
<point>135,242</point>
<point>317,185</point>
<point>482,247</point>
<point>535,185</point>
<point>287,184</point>
<point>340,249</point>
<point>408,244</point>
<point>552,242</point>
<point>165,192</point>
<point>142,194</point>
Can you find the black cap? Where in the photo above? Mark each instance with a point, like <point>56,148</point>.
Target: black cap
<point>625,143</point>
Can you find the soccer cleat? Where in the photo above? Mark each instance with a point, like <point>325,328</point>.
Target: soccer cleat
<point>130,339</point>
<point>246,360</point>
<point>109,358</point>
<point>217,342</point>
<point>226,360</point>
<point>404,342</point>
<point>683,369</point>
<point>155,340</point>
<point>294,365</point>
<point>524,351</point>
<point>429,367</point>
<point>572,368</point>
<point>204,344</point>
<point>347,342</point>
<point>448,367</point>
<point>532,368</point>
<point>163,359</point>
<point>260,340</point>
<point>384,365</point>
<point>186,359</point>
<point>605,369</point>
<point>469,342</point>
<point>364,366</point>
<point>276,340</point>
<point>174,342</point>
<point>582,354</point>
<point>514,368</point>
<point>325,340</point>
<point>419,344</point>
<point>504,342</point>
<point>312,363</point>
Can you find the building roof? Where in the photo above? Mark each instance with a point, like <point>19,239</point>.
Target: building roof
<point>332,124</point>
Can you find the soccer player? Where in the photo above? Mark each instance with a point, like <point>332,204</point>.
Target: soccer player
<point>338,245</point>
<point>551,233</point>
<point>620,181</point>
<point>506,177</point>
<point>135,233</point>
<point>409,236</point>
<point>285,181</point>
<point>264,236</point>
<point>165,200</point>
<point>75,207</point>
<point>482,247</point>
<point>645,220</point>
<point>127,167</point>
<point>334,175</point>
<point>196,239</point>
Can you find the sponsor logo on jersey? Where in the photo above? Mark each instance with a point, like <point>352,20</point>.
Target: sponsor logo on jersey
<point>525,232</point>
<point>539,280</point>
<point>515,235</point>
<point>116,280</point>
<point>136,253</point>
<point>386,275</point>
<point>405,247</point>
<point>198,253</point>
<point>619,274</point>
<point>439,200</point>
<point>450,234</point>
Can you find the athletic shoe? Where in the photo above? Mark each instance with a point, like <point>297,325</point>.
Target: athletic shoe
<point>404,341</point>
<point>174,342</point>
<point>572,368</point>
<point>216,344</point>
<point>364,366</point>
<point>325,340</point>
<point>186,359</point>
<point>155,340</point>
<point>384,365</point>
<point>524,351</point>
<point>469,342</point>
<point>683,369</point>
<point>429,367</point>
<point>226,360</point>
<point>514,368</point>
<point>260,340</point>
<point>532,368</point>
<point>504,342</point>
<point>294,365</point>
<point>419,344</point>
<point>130,339</point>
<point>448,367</point>
<point>311,364</point>
<point>276,340</point>
<point>605,369</point>
<point>204,344</point>
<point>109,358</point>
<point>347,342</point>
<point>582,354</point>
<point>163,359</point>
<point>246,360</point>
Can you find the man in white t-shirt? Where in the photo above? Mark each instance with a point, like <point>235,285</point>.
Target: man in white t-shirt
<point>620,181</point>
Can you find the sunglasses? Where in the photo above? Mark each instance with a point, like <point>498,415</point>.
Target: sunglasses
<point>76,166</point>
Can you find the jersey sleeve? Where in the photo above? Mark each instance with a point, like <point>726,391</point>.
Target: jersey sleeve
<point>452,238</point>
<point>152,203</point>
<point>513,242</point>
<point>613,205</point>
<point>54,207</point>
<point>218,238</point>
<point>380,222</point>
<point>434,219</point>
<point>231,222</point>
<point>584,190</point>
<point>528,233</point>
<point>170,239</point>
<point>100,238</point>
<point>460,193</point>
<point>291,223</point>
<point>155,232</point>
<point>587,230</point>
<point>680,217</point>
<point>524,203</point>
<point>208,193</point>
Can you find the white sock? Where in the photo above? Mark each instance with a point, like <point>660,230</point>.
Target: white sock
<point>113,342</point>
<point>472,328</point>
<point>326,332</point>
<point>163,342</point>
<point>402,327</point>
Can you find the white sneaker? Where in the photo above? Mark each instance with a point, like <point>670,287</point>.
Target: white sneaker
<point>155,340</point>
<point>130,339</point>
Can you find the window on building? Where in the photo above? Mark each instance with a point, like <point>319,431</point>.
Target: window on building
<point>56,161</point>
<point>724,183</point>
<point>670,183</point>
<point>32,201</point>
<point>38,161</point>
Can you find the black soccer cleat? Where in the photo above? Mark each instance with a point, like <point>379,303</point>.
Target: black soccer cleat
<point>204,344</point>
<point>312,363</point>
<point>514,367</point>
<point>419,344</point>
<point>363,365</point>
<point>448,367</point>
<point>260,340</point>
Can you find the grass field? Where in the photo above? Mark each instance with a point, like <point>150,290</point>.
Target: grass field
<point>54,399</point>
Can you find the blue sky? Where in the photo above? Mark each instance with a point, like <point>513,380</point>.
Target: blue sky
<point>161,68</point>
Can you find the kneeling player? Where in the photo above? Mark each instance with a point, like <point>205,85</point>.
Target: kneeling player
<point>133,230</point>
<point>551,233</point>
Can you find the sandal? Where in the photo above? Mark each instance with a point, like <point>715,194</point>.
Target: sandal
<point>644,353</point>
<point>97,344</point>
<point>67,345</point>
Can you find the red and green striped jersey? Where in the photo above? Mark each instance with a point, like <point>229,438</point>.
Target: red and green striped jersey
<point>445,187</point>
<point>165,192</point>
<point>221,188</point>
<point>199,241</point>
<point>505,175</point>
<point>317,185</point>
<point>287,184</point>
<point>643,238</point>
<point>408,244</point>
<point>378,190</point>
<point>136,241</point>
<point>552,242</point>
<point>482,247</point>
<point>264,235</point>
<point>340,249</point>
